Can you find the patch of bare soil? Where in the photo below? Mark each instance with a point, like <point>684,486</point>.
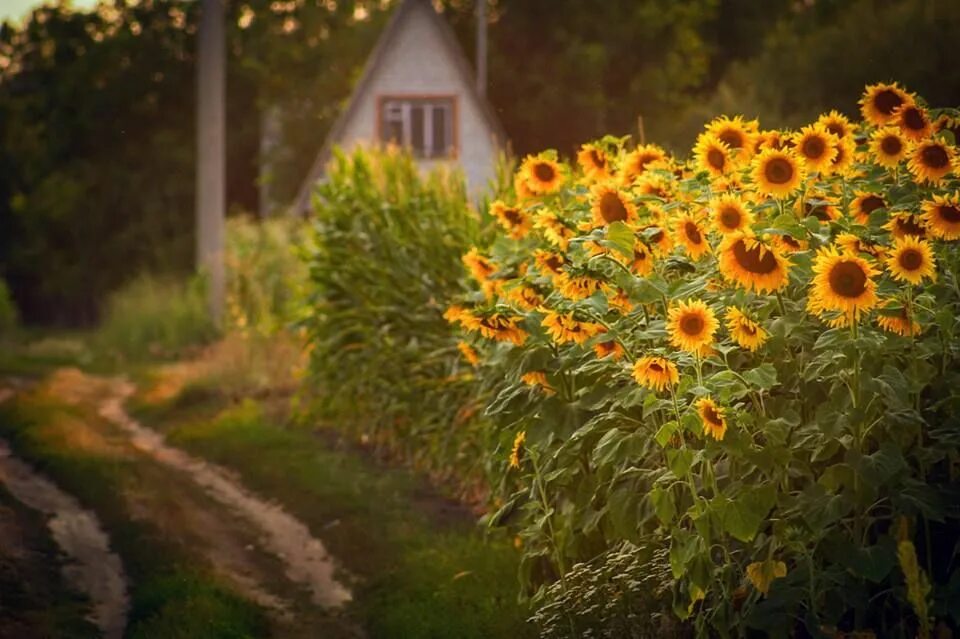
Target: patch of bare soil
<point>90,566</point>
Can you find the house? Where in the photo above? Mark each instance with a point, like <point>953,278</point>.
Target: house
<point>417,90</point>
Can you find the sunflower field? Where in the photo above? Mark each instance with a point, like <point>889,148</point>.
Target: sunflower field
<point>725,389</point>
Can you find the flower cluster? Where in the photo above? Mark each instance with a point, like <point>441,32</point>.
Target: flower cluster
<point>690,302</point>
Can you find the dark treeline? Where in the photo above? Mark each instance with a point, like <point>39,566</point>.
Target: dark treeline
<point>97,121</point>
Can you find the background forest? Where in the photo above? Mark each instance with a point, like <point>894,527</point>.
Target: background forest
<point>97,107</point>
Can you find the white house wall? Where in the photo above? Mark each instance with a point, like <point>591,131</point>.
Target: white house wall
<point>417,62</point>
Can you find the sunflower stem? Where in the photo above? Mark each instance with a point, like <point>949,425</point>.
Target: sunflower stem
<point>683,446</point>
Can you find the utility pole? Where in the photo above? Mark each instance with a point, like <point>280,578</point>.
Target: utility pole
<point>482,48</point>
<point>211,152</point>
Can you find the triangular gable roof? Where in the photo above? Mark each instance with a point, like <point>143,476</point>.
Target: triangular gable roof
<point>387,38</point>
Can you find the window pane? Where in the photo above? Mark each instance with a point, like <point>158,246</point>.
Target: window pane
<point>440,139</point>
<point>416,129</point>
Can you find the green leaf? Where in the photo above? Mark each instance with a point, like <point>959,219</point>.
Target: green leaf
<point>743,514</point>
<point>679,461</point>
<point>663,504</point>
<point>763,377</point>
<point>665,433</point>
<point>620,237</point>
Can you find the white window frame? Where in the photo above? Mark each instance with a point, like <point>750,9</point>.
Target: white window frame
<point>397,109</point>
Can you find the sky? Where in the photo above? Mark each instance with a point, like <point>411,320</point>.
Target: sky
<point>16,9</point>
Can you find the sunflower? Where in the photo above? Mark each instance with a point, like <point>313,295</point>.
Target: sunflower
<point>456,314</point>
<point>753,265</point>
<point>714,423</point>
<point>898,320</point>
<point>564,328</point>
<point>850,243</point>
<point>786,243</point>
<point>745,331</point>
<point>548,263</point>
<point>480,267</point>
<point>610,348</point>
<point>517,449</point>
<point>712,155</point>
<point>541,174</point>
<point>526,297</point>
<point>512,219</point>
<point>468,353</point>
<point>618,299</point>
<point>817,207</point>
<point>948,123</point>
<point>843,160</point>
<point>777,173</point>
<point>889,146</point>
<point>942,216</point>
<point>771,139</point>
<point>842,282</point>
<point>642,263</point>
<point>864,204</point>
<point>578,287</point>
<point>730,214</point>
<point>634,163</point>
<point>911,260</point>
<point>736,134</point>
<point>903,224</point>
<point>836,123</point>
<point>594,162</point>
<point>610,204</point>
<point>537,378</point>
<point>880,102</point>
<point>500,328</point>
<point>553,228</point>
<point>655,185</point>
<point>520,187</point>
<point>655,373</point>
<point>660,241</point>
<point>815,146</point>
<point>913,121</point>
<point>692,236</point>
<point>931,160</point>
<point>691,326</point>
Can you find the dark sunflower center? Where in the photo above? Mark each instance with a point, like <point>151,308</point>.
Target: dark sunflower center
<point>818,211</point>
<point>553,263</point>
<point>711,416</point>
<point>656,368</point>
<point>656,237</point>
<point>693,233</point>
<point>748,328</point>
<point>756,259</point>
<point>887,101</point>
<point>513,216</point>
<point>691,325</point>
<point>544,172</point>
<point>913,119</point>
<point>949,214</point>
<point>872,203</point>
<point>836,128</point>
<point>598,159</point>
<point>732,138</point>
<point>643,161</point>
<point>789,241</point>
<point>935,157</point>
<point>909,226</point>
<point>847,279</point>
<point>778,171</point>
<point>813,147</point>
<point>911,259</point>
<point>730,217</point>
<point>612,208</point>
<point>639,255</point>
<point>716,159</point>
<point>840,157</point>
<point>891,145</point>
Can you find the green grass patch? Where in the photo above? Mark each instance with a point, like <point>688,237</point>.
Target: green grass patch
<point>426,570</point>
<point>171,597</point>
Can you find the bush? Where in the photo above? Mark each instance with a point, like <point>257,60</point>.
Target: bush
<point>9,317</point>
<point>156,317</point>
<point>265,275</point>
<point>384,252</point>
<point>748,361</point>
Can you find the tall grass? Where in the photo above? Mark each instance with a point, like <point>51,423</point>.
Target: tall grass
<point>155,317</point>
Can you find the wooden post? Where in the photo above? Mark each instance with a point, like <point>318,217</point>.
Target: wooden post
<point>211,152</point>
<point>640,130</point>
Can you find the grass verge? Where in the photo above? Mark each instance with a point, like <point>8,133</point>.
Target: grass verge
<point>425,569</point>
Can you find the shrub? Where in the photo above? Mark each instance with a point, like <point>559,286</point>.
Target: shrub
<point>156,317</point>
<point>265,275</point>
<point>747,360</point>
<point>383,254</point>
<point>9,317</point>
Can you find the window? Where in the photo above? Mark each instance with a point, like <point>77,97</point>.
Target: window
<point>425,125</point>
